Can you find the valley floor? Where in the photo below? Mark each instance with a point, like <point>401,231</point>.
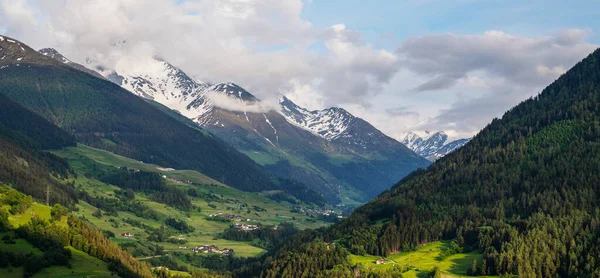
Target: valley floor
<point>213,197</point>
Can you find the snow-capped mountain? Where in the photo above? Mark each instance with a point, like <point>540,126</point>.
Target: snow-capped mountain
<point>433,145</point>
<point>160,81</point>
<point>330,150</point>
<point>328,123</point>
<point>233,91</point>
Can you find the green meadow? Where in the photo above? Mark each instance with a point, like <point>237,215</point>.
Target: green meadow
<point>254,206</point>
<point>82,264</point>
<point>423,260</point>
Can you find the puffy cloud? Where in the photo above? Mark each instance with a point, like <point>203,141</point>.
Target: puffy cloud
<point>263,45</point>
<point>438,82</point>
<point>401,111</point>
<point>233,104</point>
<point>17,12</point>
<point>267,47</point>
<point>488,73</point>
<point>357,70</point>
<point>446,58</point>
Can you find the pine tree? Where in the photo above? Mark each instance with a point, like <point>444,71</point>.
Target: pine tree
<point>483,268</point>
<point>473,270</point>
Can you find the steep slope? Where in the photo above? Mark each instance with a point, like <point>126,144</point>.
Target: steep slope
<point>524,191</point>
<point>46,238</point>
<point>330,151</point>
<point>104,115</point>
<point>43,133</point>
<point>360,159</point>
<point>23,164</point>
<point>433,146</point>
<point>158,80</point>
<point>328,123</point>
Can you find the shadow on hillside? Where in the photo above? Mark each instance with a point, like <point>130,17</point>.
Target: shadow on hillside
<point>461,265</point>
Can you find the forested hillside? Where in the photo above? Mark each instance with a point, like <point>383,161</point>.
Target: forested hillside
<point>45,237</point>
<point>50,238</point>
<point>103,115</point>
<point>22,161</point>
<point>524,192</point>
<point>105,198</point>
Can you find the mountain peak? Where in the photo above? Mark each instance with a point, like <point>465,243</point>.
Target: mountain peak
<point>328,123</point>
<point>410,139</point>
<point>51,52</point>
<point>233,90</point>
<point>14,52</point>
<point>438,135</point>
<point>54,54</point>
<point>431,146</point>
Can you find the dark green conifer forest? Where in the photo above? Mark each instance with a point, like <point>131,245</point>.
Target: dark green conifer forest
<point>525,192</point>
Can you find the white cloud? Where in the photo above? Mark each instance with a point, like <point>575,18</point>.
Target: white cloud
<point>266,46</point>
<point>449,57</point>
<point>488,73</point>
<point>233,104</point>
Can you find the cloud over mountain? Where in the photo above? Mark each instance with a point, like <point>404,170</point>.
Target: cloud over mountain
<point>270,47</point>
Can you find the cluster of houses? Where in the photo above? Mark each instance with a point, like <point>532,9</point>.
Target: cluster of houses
<point>235,217</point>
<point>245,227</point>
<point>211,249</point>
<point>325,212</point>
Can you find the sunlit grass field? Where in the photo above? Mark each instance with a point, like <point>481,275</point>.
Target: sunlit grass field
<point>224,199</point>
<point>424,260</point>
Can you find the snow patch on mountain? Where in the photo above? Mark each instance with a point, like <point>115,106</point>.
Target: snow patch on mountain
<point>274,130</point>
<point>329,123</point>
<point>51,52</point>
<point>160,81</point>
<point>432,145</point>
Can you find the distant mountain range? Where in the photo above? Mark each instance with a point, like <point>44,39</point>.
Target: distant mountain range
<point>331,151</point>
<point>433,145</point>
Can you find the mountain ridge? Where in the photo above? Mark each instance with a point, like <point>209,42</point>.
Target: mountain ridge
<point>297,146</point>
<point>433,146</point>
<point>105,115</point>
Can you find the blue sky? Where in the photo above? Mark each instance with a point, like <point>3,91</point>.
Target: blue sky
<point>385,23</point>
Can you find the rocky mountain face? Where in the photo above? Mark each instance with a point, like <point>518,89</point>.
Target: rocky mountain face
<point>328,123</point>
<point>331,151</point>
<point>432,146</point>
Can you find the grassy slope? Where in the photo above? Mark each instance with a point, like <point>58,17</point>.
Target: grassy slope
<point>40,210</point>
<point>424,260</point>
<point>82,263</point>
<point>206,230</point>
<point>73,155</point>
